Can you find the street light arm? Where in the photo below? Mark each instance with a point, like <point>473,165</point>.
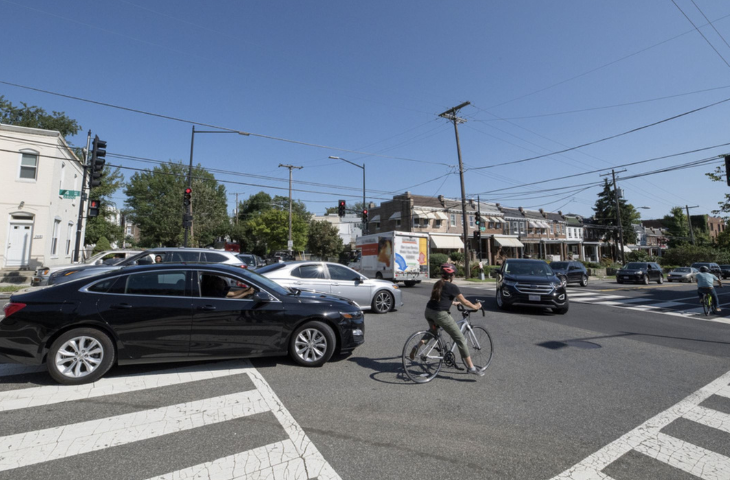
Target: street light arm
<point>351,163</point>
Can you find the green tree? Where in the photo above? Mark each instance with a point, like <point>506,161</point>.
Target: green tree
<point>255,204</point>
<point>719,176</point>
<point>605,209</point>
<point>155,198</point>
<point>271,229</point>
<point>356,207</point>
<point>324,239</point>
<point>101,245</point>
<point>297,206</point>
<point>36,117</point>
<point>105,225</point>
<point>676,225</point>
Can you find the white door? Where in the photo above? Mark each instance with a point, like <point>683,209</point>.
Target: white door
<point>18,251</point>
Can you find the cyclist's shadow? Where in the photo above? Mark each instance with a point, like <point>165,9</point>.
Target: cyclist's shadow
<point>390,370</point>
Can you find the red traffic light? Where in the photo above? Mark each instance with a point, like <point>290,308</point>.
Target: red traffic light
<point>342,203</point>
<point>94,204</point>
<point>188,191</point>
<point>364,212</point>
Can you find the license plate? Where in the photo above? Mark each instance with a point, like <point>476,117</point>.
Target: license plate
<point>534,298</point>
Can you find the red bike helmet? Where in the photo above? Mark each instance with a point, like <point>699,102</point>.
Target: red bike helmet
<point>447,269</point>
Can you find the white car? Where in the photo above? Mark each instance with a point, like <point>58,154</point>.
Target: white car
<point>41,275</point>
<point>380,296</point>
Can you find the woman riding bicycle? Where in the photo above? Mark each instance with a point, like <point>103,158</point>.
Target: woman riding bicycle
<point>706,284</point>
<point>443,295</point>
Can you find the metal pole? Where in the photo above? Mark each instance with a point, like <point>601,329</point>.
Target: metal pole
<point>689,220</point>
<point>189,210</point>
<point>289,249</point>
<point>618,217</point>
<point>364,206</point>
<point>79,223</point>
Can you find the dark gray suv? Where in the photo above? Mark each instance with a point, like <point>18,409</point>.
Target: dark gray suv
<point>570,272</point>
<point>640,272</point>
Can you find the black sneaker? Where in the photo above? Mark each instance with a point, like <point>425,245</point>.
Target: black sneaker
<point>475,371</point>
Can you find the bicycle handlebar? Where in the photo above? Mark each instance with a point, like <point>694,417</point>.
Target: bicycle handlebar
<point>462,308</point>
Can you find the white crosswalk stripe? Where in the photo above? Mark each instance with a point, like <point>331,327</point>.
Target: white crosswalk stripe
<point>293,458</point>
<point>648,439</point>
<point>672,307</point>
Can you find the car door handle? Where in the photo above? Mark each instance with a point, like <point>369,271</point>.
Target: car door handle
<point>120,306</point>
<point>207,308</point>
<point>335,283</point>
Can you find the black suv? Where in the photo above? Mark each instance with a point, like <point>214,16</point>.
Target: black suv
<point>531,283</point>
<point>714,268</point>
<point>725,271</point>
<point>640,272</point>
<point>570,272</point>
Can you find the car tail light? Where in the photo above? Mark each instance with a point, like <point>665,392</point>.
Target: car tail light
<point>243,265</point>
<point>11,308</point>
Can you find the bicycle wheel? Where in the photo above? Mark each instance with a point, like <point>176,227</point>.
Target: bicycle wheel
<point>706,304</point>
<point>427,358</point>
<point>480,347</point>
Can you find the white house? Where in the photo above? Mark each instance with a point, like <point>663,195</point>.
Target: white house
<point>40,219</point>
<point>349,226</point>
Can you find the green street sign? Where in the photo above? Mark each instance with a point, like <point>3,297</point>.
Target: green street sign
<point>482,229</point>
<point>69,193</point>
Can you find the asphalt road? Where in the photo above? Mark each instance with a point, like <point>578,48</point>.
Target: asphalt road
<point>560,389</point>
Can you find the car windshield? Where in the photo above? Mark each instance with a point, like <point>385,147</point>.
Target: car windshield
<point>636,266</point>
<point>269,284</point>
<point>528,268</point>
<point>247,259</point>
<point>682,270</point>
<point>270,268</point>
<point>92,260</point>
<point>559,265</point>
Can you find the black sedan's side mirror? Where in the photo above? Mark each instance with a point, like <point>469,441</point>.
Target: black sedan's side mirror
<point>261,297</point>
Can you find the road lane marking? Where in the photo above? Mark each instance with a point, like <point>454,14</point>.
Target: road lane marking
<point>47,395</point>
<point>694,460</point>
<point>277,460</point>
<point>648,433</point>
<point>710,418</point>
<point>29,448</point>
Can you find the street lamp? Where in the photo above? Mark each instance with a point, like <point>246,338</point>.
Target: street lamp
<point>189,208</point>
<point>365,225</point>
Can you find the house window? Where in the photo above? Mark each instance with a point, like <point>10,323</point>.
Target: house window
<point>490,225</point>
<point>54,241</point>
<point>68,238</point>
<point>471,220</point>
<point>129,229</point>
<point>522,227</point>
<point>377,225</point>
<point>453,219</point>
<point>63,177</point>
<point>28,166</point>
<point>397,223</point>
<point>515,231</point>
<point>437,223</point>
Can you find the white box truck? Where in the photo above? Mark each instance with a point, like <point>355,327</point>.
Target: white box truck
<point>395,256</point>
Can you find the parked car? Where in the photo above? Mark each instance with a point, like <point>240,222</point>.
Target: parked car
<point>176,313</point>
<point>570,272</point>
<point>149,257</point>
<point>251,261</point>
<point>640,272</point>
<point>714,268</point>
<point>41,274</point>
<point>279,257</point>
<point>380,296</point>
<point>530,283</point>
<point>683,274</point>
<point>725,269</point>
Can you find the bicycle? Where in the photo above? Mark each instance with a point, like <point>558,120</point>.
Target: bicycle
<point>432,351</point>
<point>708,306</point>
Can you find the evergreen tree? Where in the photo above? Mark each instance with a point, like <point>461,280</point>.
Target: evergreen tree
<point>605,214</point>
<point>676,225</point>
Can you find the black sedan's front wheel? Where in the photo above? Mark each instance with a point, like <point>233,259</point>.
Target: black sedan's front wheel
<point>383,302</point>
<point>79,356</point>
<point>312,344</point>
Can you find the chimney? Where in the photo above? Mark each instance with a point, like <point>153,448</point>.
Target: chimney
<point>542,212</point>
<point>408,194</point>
<point>498,205</point>
<point>560,213</point>
<point>441,199</point>
<point>471,202</point>
<point>522,210</point>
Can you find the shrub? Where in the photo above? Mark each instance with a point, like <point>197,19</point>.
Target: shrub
<point>435,263</point>
<point>688,254</point>
<point>591,264</point>
<point>101,245</point>
<point>457,257</point>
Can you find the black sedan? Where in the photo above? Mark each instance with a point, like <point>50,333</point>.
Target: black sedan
<point>170,313</point>
<point>530,283</point>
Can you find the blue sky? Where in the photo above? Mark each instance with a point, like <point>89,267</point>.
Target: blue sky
<point>366,81</point>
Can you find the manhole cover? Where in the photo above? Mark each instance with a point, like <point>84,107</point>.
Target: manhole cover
<point>582,344</point>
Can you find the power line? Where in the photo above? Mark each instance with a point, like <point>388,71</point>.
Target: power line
<point>191,122</point>
<point>710,23</point>
<point>700,32</point>
<point>633,130</point>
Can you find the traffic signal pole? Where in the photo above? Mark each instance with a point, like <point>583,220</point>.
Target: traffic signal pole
<point>79,223</point>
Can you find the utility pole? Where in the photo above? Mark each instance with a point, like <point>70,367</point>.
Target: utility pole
<point>83,197</point>
<point>289,244</point>
<point>689,220</point>
<point>479,216</point>
<point>451,115</point>
<point>620,240</point>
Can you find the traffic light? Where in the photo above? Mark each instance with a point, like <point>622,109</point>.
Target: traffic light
<point>365,216</point>
<point>341,208</point>
<point>187,197</point>
<point>98,152</point>
<point>187,220</point>
<point>727,170</point>
<point>93,208</point>
<point>477,235</point>
<point>478,221</point>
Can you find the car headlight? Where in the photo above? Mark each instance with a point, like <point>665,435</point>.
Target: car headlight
<point>395,286</point>
<point>556,284</point>
<point>351,315</point>
<point>640,273</point>
<point>510,283</point>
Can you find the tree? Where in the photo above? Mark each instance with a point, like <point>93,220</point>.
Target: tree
<point>36,117</point>
<point>719,176</point>
<point>676,225</point>
<point>271,229</point>
<point>356,207</point>
<point>324,239</point>
<point>255,204</point>
<point>102,245</point>
<point>155,198</point>
<point>605,209</point>
<point>297,207</point>
<point>105,224</point>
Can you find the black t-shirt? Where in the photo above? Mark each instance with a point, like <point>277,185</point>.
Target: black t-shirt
<point>448,293</point>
